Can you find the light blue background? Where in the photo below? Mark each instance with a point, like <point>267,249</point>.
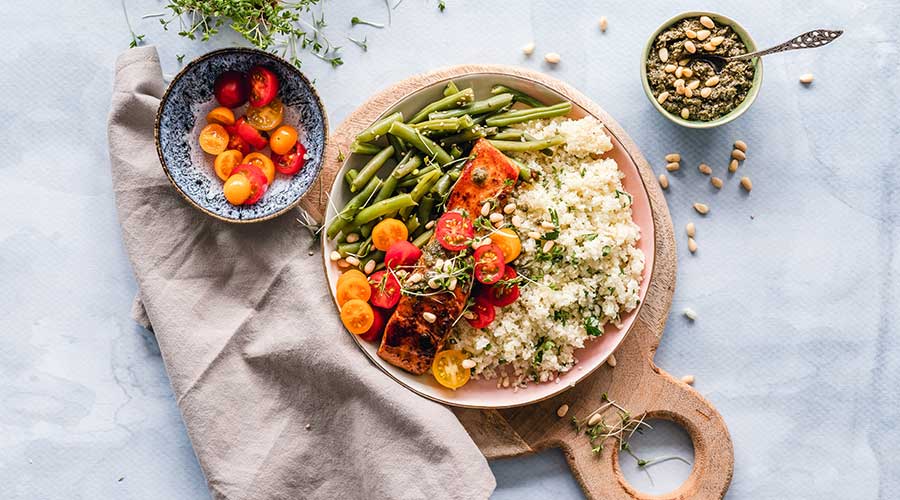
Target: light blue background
<point>795,285</point>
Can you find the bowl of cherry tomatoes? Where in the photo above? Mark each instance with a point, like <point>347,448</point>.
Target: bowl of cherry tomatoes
<point>241,134</point>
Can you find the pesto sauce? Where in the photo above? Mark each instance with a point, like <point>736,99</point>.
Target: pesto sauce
<point>735,79</point>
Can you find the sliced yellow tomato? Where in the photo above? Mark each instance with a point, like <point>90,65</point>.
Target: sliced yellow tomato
<point>221,115</point>
<point>357,316</point>
<point>509,242</point>
<point>213,138</point>
<point>388,232</point>
<point>226,162</point>
<point>266,117</point>
<point>448,369</point>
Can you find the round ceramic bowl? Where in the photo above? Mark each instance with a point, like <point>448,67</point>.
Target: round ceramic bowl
<point>181,117</point>
<point>484,393</point>
<point>736,112</point>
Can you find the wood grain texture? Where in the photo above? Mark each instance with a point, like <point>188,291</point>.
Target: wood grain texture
<point>636,382</point>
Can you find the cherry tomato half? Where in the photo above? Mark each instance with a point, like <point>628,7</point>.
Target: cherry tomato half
<point>267,117</point>
<point>264,163</point>
<point>213,139</point>
<point>237,189</point>
<point>263,86</point>
<point>236,142</point>
<point>282,140</point>
<point>489,264</point>
<point>258,184</point>
<point>505,291</point>
<point>231,89</point>
<point>484,312</point>
<point>448,369</point>
<point>454,231</point>
<point>253,137</point>
<point>221,115</point>
<point>292,162</point>
<point>374,332</point>
<point>226,161</point>
<point>385,290</point>
<point>401,253</point>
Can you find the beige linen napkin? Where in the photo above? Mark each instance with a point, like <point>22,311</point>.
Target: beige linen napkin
<point>278,401</point>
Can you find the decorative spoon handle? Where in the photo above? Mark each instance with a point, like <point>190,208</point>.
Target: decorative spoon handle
<point>808,40</point>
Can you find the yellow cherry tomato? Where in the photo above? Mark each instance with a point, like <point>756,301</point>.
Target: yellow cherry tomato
<point>509,242</point>
<point>388,232</point>
<point>266,117</point>
<point>226,161</point>
<point>283,139</point>
<point>237,189</point>
<point>357,315</point>
<point>263,162</point>
<point>448,369</point>
<point>214,138</point>
<point>220,115</point>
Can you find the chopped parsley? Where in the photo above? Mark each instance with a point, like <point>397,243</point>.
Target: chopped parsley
<point>593,326</point>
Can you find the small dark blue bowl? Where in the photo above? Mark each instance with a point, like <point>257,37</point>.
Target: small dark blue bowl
<point>188,99</point>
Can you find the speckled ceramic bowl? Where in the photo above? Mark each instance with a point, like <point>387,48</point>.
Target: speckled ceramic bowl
<point>181,116</point>
<point>734,113</point>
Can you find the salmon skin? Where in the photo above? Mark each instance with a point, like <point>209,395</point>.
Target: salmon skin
<point>410,341</point>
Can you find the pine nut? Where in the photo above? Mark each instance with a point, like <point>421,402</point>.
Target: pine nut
<point>562,410</point>
<point>517,221</point>
<point>690,229</point>
<point>679,71</point>
<point>335,256</point>
<point>707,22</point>
<point>661,98</point>
<point>688,72</point>
<point>663,181</point>
<point>604,23</point>
<point>703,35</point>
<point>712,81</point>
<point>509,208</point>
<point>806,79</point>
<point>688,92</point>
<point>429,317</point>
<point>715,181</point>
<point>485,209</point>
<point>688,379</point>
<point>679,90</point>
<point>434,283</point>
<point>468,364</point>
<point>685,113</point>
<point>594,420</point>
<point>342,264</point>
<point>737,154</point>
<point>430,224</point>
<point>673,167</point>
<point>439,264</point>
<point>353,261</point>
<point>733,166</point>
<point>528,48</point>
<point>548,246</point>
<point>415,278</point>
<point>709,47</point>
<point>370,266</point>
<point>690,47</point>
<point>670,68</point>
<point>452,284</point>
<point>704,169</point>
<point>693,84</point>
<point>689,314</point>
<point>352,237</point>
<point>717,40</point>
<point>548,225</point>
<point>552,57</point>
<point>684,62</point>
<point>496,218</point>
<point>690,33</point>
<point>534,235</point>
<point>673,157</point>
<point>692,245</point>
<point>746,183</point>
<point>739,144</point>
<point>701,208</point>
<point>611,360</point>
<point>705,92</point>
<point>663,54</point>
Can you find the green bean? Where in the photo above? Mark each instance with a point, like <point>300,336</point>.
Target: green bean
<point>414,179</point>
<point>520,96</point>
<point>525,173</point>
<point>469,135</point>
<point>524,115</point>
<point>426,182</point>
<point>407,165</point>
<point>509,135</point>
<point>423,238</point>
<point>364,148</point>
<point>371,168</point>
<point>412,223</point>
<point>522,146</point>
<point>346,215</point>
<point>456,152</point>
<point>423,211</point>
<point>377,256</point>
<point>366,230</point>
<point>456,100</point>
<point>445,124</point>
<point>348,248</point>
<point>399,147</point>
<point>420,142</point>
<point>365,247</point>
<point>494,103</point>
<point>350,175</point>
<point>383,207</point>
<point>454,174</point>
<point>378,128</point>
<point>450,89</point>
<point>442,186</point>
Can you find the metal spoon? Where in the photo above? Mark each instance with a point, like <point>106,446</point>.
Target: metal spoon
<point>808,40</point>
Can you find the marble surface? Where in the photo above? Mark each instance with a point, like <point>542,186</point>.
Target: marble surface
<point>795,285</point>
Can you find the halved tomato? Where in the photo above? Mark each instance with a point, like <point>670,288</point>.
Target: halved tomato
<point>401,253</point>
<point>264,163</point>
<point>374,332</point>
<point>226,161</point>
<point>484,312</point>
<point>267,117</point>
<point>213,138</point>
<point>385,290</point>
<point>258,181</point>
<point>448,369</point>
<point>231,89</point>
<point>253,137</point>
<point>454,231</point>
<point>489,264</point>
<point>236,142</point>
<point>292,162</point>
<point>505,291</point>
<point>263,86</point>
<point>221,115</point>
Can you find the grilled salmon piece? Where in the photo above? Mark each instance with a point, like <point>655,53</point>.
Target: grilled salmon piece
<point>410,341</point>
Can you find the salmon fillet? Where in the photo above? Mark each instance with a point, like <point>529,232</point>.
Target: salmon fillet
<point>410,341</point>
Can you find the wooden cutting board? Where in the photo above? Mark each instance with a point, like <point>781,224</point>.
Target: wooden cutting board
<point>635,382</point>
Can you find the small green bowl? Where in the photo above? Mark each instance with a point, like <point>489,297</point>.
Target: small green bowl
<point>734,113</point>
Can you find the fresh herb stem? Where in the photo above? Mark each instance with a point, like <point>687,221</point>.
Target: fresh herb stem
<point>355,21</point>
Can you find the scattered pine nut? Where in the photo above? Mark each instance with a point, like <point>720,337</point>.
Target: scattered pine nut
<point>684,61</point>
<point>495,218</point>
<point>679,71</point>
<point>746,183</point>
<point>468,364</point>
<point>552,57</point>
<point>661,98</point>
<point>704,169</point>
<point>693,84</point>
<point>692,245</point>
<point>685,113</point>
<point>517,221</point>
<point>670,68</point>
<point>353,261</point>
<point>717,40</point>
<point>509,208</point>
<point>707,22</point>
<point>370,266</point>
<point>705,92</point>
<point>663,54</point>
<point>611,360</point>
<point>604,23</point>
<point>352,237</point>
<point>703,35</point>
<point>690,33</point>
<point>663,181</point>
<point>701,208</point>
<point>690,47</point>
<point>733,166</point>
<point>485,209</point>
<point>534,235</point>
<point>690,229</point>
<point>740,145</point>
<point>709,47</point>
<point>673,157</point>
<point>717,182</point>
<point>712,81</point>
<point>806,78</point>
<point>528,48</point>
<point>687,72</point>
<point>430,224</point>
<point>688,92</point>
<point>594,420</point>
<point>342,264</point>
<point>335,256</point>
<point>689,314</point>
<point>548,225</point>
<point>688,379</point>
<point>547,246</point>
<point>562,410</point>
<point>673,167</point>
<point>737,154</point>
<point>678,83</point>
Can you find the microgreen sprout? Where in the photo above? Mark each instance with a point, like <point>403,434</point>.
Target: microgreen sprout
<point>356,21</point>
<point>363,44</point>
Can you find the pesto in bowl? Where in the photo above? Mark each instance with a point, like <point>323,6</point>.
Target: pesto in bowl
<point>689,88</point>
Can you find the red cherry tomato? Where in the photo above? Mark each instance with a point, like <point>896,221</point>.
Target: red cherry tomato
<point>385,290</point>
<point>402,253</point>
<point>374,332</point>
<point>454,231</point>
<point>253,137</point>
<point>505,291</point>
<point>489,264</point>
<point>258,181</point>
<point>263,86</point>
<point>231,89</point>
<point>236,142</point>
<point>292,162</point>
<point>483,311</point>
